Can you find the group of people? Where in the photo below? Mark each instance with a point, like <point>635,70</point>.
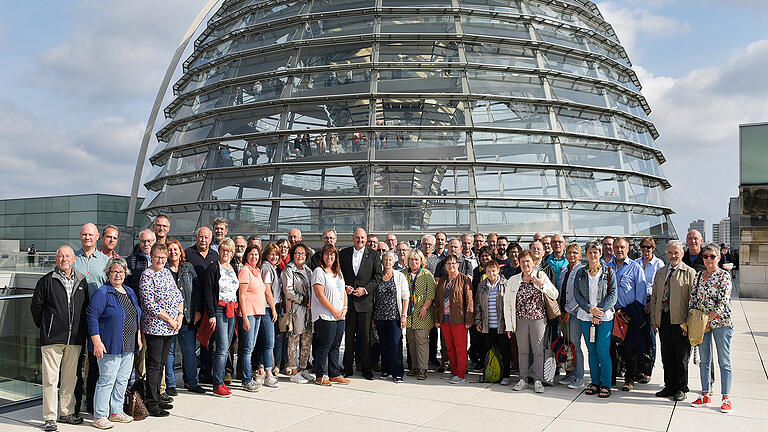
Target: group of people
<point>291,307</point>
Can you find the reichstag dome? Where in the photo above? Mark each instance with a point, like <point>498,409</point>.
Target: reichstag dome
<point>410,116</point>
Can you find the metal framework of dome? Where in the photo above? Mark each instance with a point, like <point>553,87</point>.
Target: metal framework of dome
<point>410,116</point>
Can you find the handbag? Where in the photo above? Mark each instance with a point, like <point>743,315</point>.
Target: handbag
<point>552,307</point>
<point>620,325</point>
<point>285,322</point>
<point>134,401</point>
<point>564,349</point>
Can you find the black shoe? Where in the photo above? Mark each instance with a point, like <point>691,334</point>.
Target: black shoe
<point>347,372</point>
<point>205,380</point>
<point>73,419</point>
<point>441,369</point>
<point>156,411</point>
<point>679,396</point>
<point>665,392</point>
<point>50,426</point>
<point>165,406</point>
<point>643,379</point>
<point>165,398</point>
<point>376,367</point>
<point>195,389</point>
<point>368,375</point>
<point>171,391</point>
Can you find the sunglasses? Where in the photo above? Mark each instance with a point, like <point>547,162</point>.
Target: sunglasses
<point>646,247</point>
<point>709,256</point>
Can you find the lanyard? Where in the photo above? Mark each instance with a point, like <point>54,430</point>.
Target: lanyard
<point>413,292</point>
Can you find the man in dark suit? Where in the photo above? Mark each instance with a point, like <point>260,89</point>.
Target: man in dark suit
<point>361,268</point>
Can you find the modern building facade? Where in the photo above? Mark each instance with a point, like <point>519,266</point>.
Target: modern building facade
<point>721,231</point>
<point>699,225</point>
<point>512,116</point>
<point>753,203</point>
<point>50,222</point>
<point>734,214</point>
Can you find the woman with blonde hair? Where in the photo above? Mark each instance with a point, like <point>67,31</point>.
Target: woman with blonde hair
<point>419,319</point>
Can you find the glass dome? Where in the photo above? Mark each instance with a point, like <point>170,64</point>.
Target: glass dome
<point>410,116</point>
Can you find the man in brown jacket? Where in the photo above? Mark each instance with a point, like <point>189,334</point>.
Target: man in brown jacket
<point>672,286</point>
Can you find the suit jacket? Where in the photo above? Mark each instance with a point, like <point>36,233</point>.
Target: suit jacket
<point>680,288</point>
<point>368,277</point>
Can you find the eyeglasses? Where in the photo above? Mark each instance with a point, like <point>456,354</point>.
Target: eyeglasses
<point>299,254</point>
<point>646,247</point>
<point>709,256</point>
<point>117,272</point>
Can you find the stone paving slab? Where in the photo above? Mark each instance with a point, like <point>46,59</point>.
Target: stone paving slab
<point>434,405</point>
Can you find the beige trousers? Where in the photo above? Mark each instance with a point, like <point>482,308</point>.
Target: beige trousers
<point>418,343</point>
<point>59,359</point>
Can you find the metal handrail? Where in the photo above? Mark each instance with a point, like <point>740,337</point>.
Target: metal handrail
<point>15,297</point>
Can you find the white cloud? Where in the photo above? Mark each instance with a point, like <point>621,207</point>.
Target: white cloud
<point>632,23</point>
<point>698,117</point>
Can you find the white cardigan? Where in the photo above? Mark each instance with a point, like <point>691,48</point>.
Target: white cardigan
<point>510,297</point>
<point>403,290</point>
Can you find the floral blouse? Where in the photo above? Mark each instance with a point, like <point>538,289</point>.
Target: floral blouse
<point>714,294</point>
<point>530,304</point>
<point>158,294</point>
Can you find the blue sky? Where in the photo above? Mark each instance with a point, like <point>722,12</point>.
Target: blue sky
<point>79,77</point>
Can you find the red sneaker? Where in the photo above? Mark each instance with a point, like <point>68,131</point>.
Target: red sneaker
<point>222,391</point>
<point>726,407</point>
<point>703,401</point>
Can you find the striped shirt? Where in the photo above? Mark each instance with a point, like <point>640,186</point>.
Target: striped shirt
<point>493,293</point>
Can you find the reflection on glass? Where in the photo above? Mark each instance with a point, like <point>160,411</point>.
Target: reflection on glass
<point>420,181</point>
<point>336,5</point>
<point>507,6</point>
<point>478,25</point>
<point>318,215</point>
<point>523,115</point>
<point>595,223</point>
<point>595,186</point>
<point>419,144</point>
<point>507,217</point>
<point>516,182</point>
<point>419,81</point>
<point>432,52</point>
<point>322,28</point>
<point>513,147</point>
<point>560,36</point>
<point>574,91</point>
<point>584,121</point>
<point>593,153</point>
<point>418,24</point>
<point>336,54</point>
<point>426,215</point>
<point>331,82</point>
<point>505,84</point>
<point>332,181</point>
<point>570,64</point>
<point>420,112</point>
<point>499,54</point>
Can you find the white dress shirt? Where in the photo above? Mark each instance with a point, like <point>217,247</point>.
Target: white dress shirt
<point>357,258</point>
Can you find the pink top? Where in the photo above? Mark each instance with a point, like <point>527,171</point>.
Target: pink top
<point>252,298</point>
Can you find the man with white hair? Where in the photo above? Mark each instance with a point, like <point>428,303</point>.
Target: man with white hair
<point>391,241</point>
<point>672,286</point>
<point>137,263</point>
<point>200,255</point>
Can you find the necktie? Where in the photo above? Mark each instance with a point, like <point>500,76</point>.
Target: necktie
<point>665,297</point>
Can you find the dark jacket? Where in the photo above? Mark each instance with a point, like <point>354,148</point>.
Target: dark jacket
<point>461,303</point>
<point>697,265</point>
<point>106,318</point>
<point>211,289</point>
<point>465,267</point>
<point>314,262</point>
<point>638,337</point>
<point>60,318</point>
<point>201,263</point>
<point>137,263</point>
<point>606,289</point>
<point>191,291</point>
<point>481,305</point>
<point>368,277</point>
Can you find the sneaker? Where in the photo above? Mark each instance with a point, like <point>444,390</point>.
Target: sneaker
<point>306,375</point>
<point>171,391</point>
<point>505,382</point>
<point>398,380</point>
<point>156,411</point>
<point>299,379</point>
<point>565,380</point>
<point>50,426</point>
<point>520,386</point>
<point>196,389</point>
<point>726,407</point>
<point>103,423</point>
<point>251,386</point>
<point>457,380</point>
<point>166,398</point>
<point>120,417</point>
<point>73,419</point>
<point>222,391</point>
<point>259,379</point>
<point>385,376</point>
<point>271,381</point>
<point>276,371</point>
<point>339,380</point>
<point>703,401</point>
<point>323,381</point>
<point>538,387</point>
<point>576,384</point>
<point>228,378</point>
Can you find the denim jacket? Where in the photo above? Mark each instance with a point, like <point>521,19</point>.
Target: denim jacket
<point>606,289</point>
<point>191,291</point>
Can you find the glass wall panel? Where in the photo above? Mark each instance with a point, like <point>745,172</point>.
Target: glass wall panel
<point>650,225</point>
<point>79,218</point>
<point>632,131</point>
<point>506,6</point>
<point>434,52</point>
<point>573,91</point>
<point>233,153</point>
<point>15,206</point>
<point>642,162</point>
<point>332,181</point>
<point>249,41</point>
<point>516,182</point>
<point>245,217</point>
<point>420,145</point>
<point>598,223</point>
<point>418,24</point>
<point>331,82</point>
<point>595,186</point>
<point>113,203</point>
<point>35,205</point>
<point>427,215</point>
<point>335,27</point>
<point>83,202</point>
<point>522,115</point>
<point>420,112</point>
<point>582,152</point>
<point>505,84</point>
<point>413,3</point>
<point>487,26</point>
<point>190,132</point>
<point>336,54</point>
<point>325,115</point>
<point>420,180</point>
<point>34,219</point>
<point>509,147</point>
<point>252,187</point>
<point>613,74</point>
<point>326,145</point>
<point>584,121</point>
<point>645,191</point>
<point>419,81</point>
<point>336,5</point>
<point>570,64</point>
<point>205,77</point>
<point>260,63</point>
<point>57,218</point>
<point>500,54</point>
<point>627,104</point>
<point>318,215</point>
<point>505,217</point>
<point>264,13</point>
<point>607,50</point>
<point>247,122</point>
<point>560,36</point>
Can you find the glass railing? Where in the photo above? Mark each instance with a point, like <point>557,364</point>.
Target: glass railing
<point>41,262</point>
<point>20,363</point>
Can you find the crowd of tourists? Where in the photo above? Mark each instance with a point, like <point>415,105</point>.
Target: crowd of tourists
<point>259,310</point>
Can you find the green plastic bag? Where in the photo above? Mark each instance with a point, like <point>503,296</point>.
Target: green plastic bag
<point>492,372</point>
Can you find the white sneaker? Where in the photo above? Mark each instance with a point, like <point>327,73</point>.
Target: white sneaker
<point>299,379</point>
<point>505,382</point>
<point>307,376</point>
<point>259,379</point>
<point>566,380</point>
<point>520,386</point>
<point>271,381</point>
<point>538,387</point>
<point>457,380</point>
<point>102,423</point>
<point>576,384</point>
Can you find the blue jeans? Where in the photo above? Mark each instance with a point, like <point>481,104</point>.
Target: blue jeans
<point>114,372</point>
<point>249,341</point>
<point>390,336</point>
<point>265,343</point>
<point>225,329</point>
<point>327,339</point>
<point>722,336</point>
<point>599,352</point>
<point>575,329</point>
<point>280,353</point>
<point>187,343</point>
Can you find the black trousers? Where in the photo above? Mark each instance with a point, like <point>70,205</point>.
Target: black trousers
<point>358,324</point>
<point>476,346</point>
<point>628,358</point>
<point>675,353</point>
<point>501,340</point>
<point>91,380</point>
<point>433,338</point>
<point>80,384</point>
<point>156,357</point>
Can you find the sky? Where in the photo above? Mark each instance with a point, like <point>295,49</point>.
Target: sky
<point>79,78</point>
